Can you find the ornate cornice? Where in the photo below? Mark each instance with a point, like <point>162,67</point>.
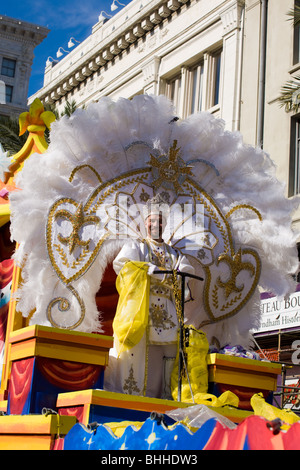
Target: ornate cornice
<point>231,16</point>
<point>122,38</point>
<point>22,31</point>
<point>109,50</point>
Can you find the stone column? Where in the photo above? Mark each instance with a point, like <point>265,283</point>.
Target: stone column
<point>233,23</point>
<point>150,73</point>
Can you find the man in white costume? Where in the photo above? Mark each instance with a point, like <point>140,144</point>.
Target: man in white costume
<point>145,368</point>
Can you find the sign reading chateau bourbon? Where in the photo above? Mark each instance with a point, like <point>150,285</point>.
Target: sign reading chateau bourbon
<point>280,313</point>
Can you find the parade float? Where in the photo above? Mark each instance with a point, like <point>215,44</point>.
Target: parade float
<point>66,211</point>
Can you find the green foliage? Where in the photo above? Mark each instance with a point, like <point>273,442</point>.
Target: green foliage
<point>290,91</point>
<point>290,95</point>
<point>69,109</point>
<point>9,135</point>
<point>295,15</point>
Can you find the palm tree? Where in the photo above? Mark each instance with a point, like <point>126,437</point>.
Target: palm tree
<point>69,108</point>
<point>290,91</point>
<point>290,95</point>
<point>10,139</point>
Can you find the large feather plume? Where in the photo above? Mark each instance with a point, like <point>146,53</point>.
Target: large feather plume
<point>231,172</point>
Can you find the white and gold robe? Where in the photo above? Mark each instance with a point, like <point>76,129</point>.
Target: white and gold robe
<point>140,370</point>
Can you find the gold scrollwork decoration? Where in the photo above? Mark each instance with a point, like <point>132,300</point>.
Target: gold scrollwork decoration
<point>63,306</point>
<point>78,220</point>
<point>221,299</point>
<point>236,266</point>
<point>171,169</point>
<point>244,206</point>
<point>213,286</point>
<point>80,167</point>
<point>53,248</point>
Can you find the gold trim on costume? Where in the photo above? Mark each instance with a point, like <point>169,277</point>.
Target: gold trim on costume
<point>243,206</point>
<point>118,183</point>
<point>239,301</point>
<point>64,306</point>
<point>170,169</point>
<point>80,167</point>
<point>130,384</point>
<point>160,290</point>
<point>159,318</point>
<point>78,220</point>
<point>222,298</point>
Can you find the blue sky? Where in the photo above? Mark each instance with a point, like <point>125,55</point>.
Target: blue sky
<point>65,19</point>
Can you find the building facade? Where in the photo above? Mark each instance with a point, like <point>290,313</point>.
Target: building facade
<point>221,56</point>
<point>17,42</point>
<point>190,51</point>
<point>270,60</point>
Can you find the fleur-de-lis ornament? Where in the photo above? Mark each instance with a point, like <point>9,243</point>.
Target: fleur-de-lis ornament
<point>236,266</point>
<point>78,220</point>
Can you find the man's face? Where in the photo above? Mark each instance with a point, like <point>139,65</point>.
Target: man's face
<point>154,226</point>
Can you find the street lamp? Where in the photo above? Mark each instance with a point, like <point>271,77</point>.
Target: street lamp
<point>113,6</point>
<point>71,42</point>
<point>102,17</point>
<point>59,53</point>
<point>49,62</point>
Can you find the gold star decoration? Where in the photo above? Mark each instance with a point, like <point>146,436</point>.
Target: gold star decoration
<point>169,171</point>
<point>77,220</point>
<point>236,266</point>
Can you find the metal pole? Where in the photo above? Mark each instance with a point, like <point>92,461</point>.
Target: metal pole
<point>181,322</point>
<point>262,72</point>
<point>180,355</point>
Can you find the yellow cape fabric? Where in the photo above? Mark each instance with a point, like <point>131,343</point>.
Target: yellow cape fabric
<point>196,361</point>
<point>227,398</point>
<point>132,313</point>
<point>270,412</point>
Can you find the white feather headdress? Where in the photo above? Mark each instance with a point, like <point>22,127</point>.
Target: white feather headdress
<point>65,215</point>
